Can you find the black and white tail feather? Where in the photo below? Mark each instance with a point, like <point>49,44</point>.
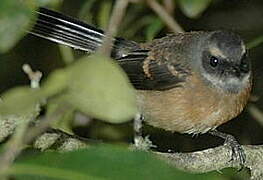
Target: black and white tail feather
<point>71,32</point>
<point>66,30</point>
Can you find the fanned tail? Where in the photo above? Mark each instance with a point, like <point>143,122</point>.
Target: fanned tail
<point>71,32</point>
<point>65,30</point>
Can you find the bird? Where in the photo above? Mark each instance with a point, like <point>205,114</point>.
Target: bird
<point>189,82</point>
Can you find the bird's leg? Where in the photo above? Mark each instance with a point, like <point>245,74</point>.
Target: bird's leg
<point>237,151</point>
<point>139,141</point>
<point>137,127</point>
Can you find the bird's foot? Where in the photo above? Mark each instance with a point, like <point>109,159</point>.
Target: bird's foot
<point>140,142</point>
<point>237,152</point>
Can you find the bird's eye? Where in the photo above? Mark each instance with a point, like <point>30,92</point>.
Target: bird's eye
<point>214,61</point>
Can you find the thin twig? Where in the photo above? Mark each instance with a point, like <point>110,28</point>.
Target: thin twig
<point>171,22</point>
<point>12,148</point>
<point>118,12</point>
<point>34,76</point>
<point>169,6</point>
<point>43,124</point>
<point>256,113</point>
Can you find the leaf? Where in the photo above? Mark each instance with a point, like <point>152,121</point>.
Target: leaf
<point>154,28</point>
<point>255,42</point>
<point>66,54</point>
<point>52,3</point>
<point>15,18</point>
<point>101,162</point>
<point>55,86</point>
<point>20,101</point>
<point>139,24</point>
<point>99,88</point>
<point>85,12</point>
<point>63,123</point>
<point>56,82</point>
<point>104,14</point>
<point>193,9</point>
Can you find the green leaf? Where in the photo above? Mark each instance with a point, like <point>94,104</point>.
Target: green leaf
<point>154,28</point>
<point>67,54</point>
<point>193,9</point>
<point>102,162</point>
<point>53,3</point>
<point>20,101</point>
<point>85,12</point>
<point>255,42</point>
<point>104,14</point>
<point>63,123</point>
<point>99,88</point>
<point>55,86</point>
<point>56,82</point>
<point>15,18</point>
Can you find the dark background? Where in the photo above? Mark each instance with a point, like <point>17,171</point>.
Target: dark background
<point>244,17</point>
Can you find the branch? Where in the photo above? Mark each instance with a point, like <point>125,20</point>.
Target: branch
<point>216,159</point>
<point>169,6</point>
<point>256,113</point>
<point>15,145</point>
<point>119,10</point>
<point>195,162</point>
<point>60,141</point>
<point>166,17</point>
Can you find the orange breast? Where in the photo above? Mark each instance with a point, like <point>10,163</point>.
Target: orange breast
<point>192,108</point>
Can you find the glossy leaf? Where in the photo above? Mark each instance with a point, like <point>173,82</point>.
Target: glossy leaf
<point>102,162</point>
<point>15,18</point>
<point>193,9</point>
<point>154,28</point>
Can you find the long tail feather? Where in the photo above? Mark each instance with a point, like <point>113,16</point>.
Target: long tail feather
<point>71,32</point>
<point>66,30</point>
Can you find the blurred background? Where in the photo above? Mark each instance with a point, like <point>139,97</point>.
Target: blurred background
<point>141,24</point>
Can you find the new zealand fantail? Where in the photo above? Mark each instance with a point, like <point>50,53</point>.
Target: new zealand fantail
<point>187,82</point>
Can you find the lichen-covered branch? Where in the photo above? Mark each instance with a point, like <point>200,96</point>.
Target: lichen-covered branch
<point>195,162</point>
<point>216,159</point>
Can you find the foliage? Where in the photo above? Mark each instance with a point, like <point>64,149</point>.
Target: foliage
<point>98,163</point>
<point>94,85</point>
<point>14,16</point>
<point>102,92</point>
<point>193,9</point>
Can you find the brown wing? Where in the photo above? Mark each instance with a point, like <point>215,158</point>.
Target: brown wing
<point>148,72</point>
<point>152,69</point>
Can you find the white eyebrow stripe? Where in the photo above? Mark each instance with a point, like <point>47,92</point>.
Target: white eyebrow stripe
<point>217,52</point>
